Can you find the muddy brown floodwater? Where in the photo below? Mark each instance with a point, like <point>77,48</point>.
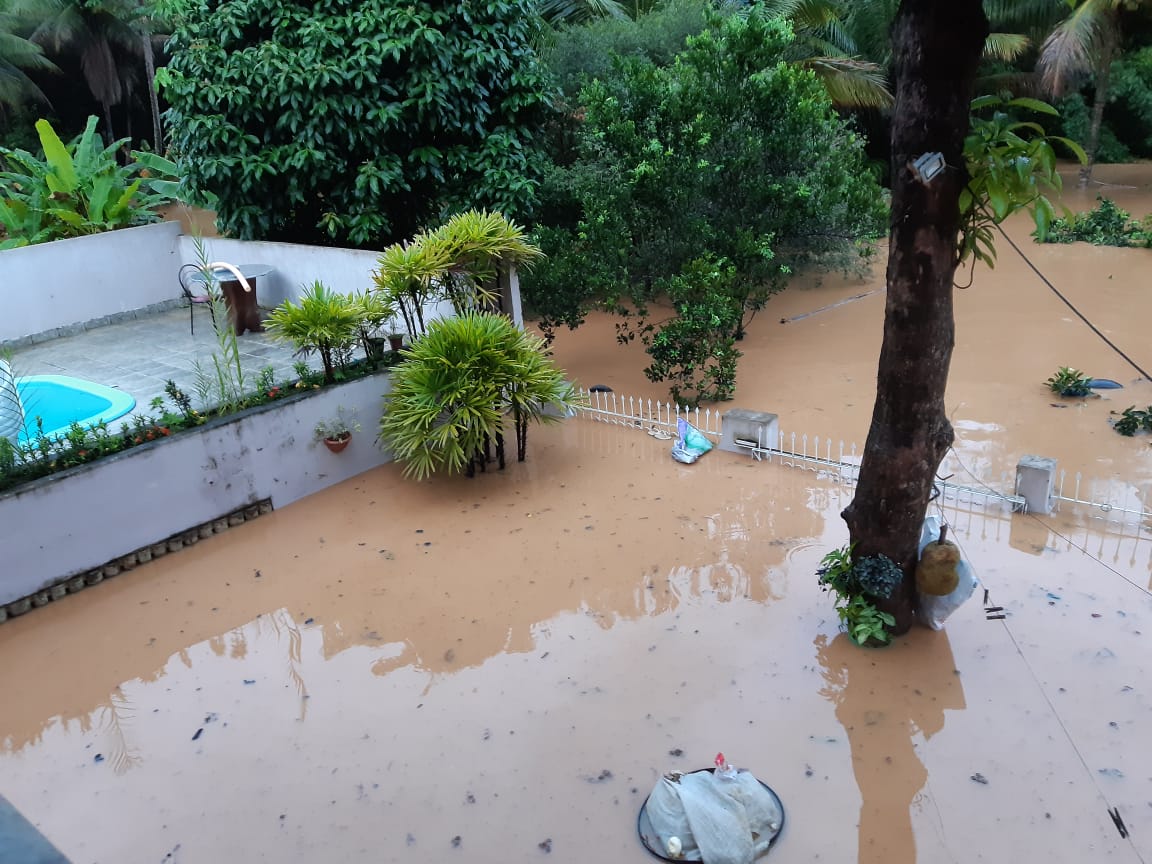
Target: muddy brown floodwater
<point>498,669</point>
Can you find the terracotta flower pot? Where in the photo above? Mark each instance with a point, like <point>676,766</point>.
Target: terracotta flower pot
<point>396,341</point>
<point>338,444</point>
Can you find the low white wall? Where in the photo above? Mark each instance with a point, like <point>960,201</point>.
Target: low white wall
<point>345,270</point>
<point>68,523</point>
<point>52,289</point>
<point>65,282</point>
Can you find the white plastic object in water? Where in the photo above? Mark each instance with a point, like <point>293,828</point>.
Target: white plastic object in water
<point>11,408</point>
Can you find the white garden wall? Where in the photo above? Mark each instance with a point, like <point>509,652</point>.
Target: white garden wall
<point>68,523</point>
<point>69,282</point>
<point>53,289</point>
<point>348,271</point>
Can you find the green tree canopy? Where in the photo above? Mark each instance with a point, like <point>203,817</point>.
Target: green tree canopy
<point>356,122</point>
<point>732,153</point>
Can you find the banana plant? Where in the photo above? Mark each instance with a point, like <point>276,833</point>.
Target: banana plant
<point>75,189</point>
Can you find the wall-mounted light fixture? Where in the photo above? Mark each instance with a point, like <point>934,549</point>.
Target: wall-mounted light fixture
<point>927,166</point>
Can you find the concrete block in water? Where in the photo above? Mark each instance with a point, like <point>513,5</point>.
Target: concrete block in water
<point>1036,482</point>
<point>742,430</point>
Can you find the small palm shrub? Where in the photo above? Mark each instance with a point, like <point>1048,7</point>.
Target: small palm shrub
<point>458,387</point>
<point>324,321</point>
<point>457,262</point>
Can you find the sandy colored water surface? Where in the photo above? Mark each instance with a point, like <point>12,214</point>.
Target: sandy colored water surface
<point>498,669</point>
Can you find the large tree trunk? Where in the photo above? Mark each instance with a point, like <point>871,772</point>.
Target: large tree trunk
<point>937,47</point>
<point>1099,100</point>
<point>153,97</point>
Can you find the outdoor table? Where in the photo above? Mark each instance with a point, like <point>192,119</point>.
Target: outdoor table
<point>243,310</point>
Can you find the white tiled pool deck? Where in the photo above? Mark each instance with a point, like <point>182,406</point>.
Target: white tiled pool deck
<point>139,356</point>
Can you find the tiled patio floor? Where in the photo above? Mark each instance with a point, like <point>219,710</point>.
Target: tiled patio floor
<point>140,356</point>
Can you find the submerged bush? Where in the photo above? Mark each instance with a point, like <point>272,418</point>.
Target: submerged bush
<point>1104,225</point>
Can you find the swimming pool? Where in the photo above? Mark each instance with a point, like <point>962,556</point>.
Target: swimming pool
<point>60,400</point>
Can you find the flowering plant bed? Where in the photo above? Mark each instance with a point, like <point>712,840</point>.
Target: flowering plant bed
<point>44,454</point>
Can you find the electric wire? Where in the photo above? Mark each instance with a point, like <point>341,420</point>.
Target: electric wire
<point>1036,678</point>
<point>1069,304</point>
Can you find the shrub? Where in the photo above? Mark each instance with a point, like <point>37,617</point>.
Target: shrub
<point>856,584</point>
<point>458,385</point>
<point>732,153</point>
<point>1104,225</point>
<point>323,321</point>
<point>1070,382</point>
<point>579,54</point>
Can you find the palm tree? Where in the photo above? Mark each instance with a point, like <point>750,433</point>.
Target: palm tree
<point>557,12</point>
<point>99,33</point>
<point>1085,43</point>
<point>18,54</point>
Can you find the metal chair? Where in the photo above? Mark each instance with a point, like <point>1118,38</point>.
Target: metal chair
<point>194,299</point>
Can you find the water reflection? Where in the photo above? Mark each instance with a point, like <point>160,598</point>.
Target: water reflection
<point>883,698</point>
<point>463,572</point>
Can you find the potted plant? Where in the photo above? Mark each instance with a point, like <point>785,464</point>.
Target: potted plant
<point>336,433</point>
<point>857,584</point>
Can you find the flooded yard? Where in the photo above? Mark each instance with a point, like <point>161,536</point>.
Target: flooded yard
<point>499,669</point>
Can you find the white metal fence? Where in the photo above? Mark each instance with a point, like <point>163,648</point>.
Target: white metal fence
<point>827,458</point>
<point>956,487</point>
<point>605,406</point>
<point>1111,500</point>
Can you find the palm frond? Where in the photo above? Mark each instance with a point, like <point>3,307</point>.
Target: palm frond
<point>1068,52</point>
<point>1005,46</point>
<point>851,83</point>
<point>558,12</point>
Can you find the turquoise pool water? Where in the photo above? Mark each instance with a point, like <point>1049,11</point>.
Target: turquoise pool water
<point>60,400</point>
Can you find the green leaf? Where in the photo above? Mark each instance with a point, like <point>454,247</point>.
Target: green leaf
<point>1043,215</point>
<point>1076,149</point>
<point>1032,105</point>
<point>98,198</point>
<point>62,177</point>
<point>999,199</point>
<point>123,202</point>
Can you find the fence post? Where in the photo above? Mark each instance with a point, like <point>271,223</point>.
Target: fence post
<point>757,428</point>
<point>1035,481</point>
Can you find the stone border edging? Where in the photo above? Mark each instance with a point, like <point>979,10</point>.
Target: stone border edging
<point>143,555</point>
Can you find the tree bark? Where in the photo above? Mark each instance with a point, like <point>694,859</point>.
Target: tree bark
<point>1099,100</point>
<point>937,48</point>
<point>153,97</point>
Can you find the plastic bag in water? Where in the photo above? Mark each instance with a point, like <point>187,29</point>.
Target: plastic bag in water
<point>932,610</point>
<point>690,442</point>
